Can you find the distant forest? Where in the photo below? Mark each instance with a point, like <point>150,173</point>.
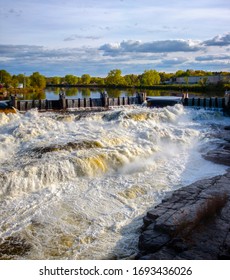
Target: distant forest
<point>148,79</point>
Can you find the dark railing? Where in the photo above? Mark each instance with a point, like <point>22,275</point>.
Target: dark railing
<point>209,102</point>
<point>64,104</point>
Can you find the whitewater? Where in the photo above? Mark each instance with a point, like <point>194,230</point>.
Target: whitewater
<point>76,186</point>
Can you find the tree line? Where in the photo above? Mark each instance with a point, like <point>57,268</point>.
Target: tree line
<point>114,78</point>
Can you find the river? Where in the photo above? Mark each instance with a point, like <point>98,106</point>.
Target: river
<point>77,187</point>
<point>51,93</point>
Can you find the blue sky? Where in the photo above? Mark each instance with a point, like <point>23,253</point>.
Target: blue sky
<point>59,37</point>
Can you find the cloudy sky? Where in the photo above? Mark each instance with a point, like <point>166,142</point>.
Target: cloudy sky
<point>59,37</point>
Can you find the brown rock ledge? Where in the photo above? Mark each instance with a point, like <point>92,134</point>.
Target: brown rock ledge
<point>194,222</point>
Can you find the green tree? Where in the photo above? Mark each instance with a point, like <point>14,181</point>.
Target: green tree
<point>200,73</point>
<point>180,73</point>
<point>186,79</point>
<point>21,78</point>
<point>190,72</point>
<point>165,76</point>
<point>71,79</point>
<point>97,80</point>
<point>55,80</point>
<point>37,80</point>
<point>203,81</point>
<point>27,82</point>
<point>150,78</point>
<point>14,81</point>
<point>114,78</point>
<point>85,79</point>
<point>5,78</point>
<point>132,80</point>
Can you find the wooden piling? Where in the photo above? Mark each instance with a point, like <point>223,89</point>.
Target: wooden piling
<point>193,101</point>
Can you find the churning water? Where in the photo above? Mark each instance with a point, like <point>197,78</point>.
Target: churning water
<point>77,186</point>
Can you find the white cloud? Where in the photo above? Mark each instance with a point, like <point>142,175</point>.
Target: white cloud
<point>219,40</point>
<point>213,57</point>
<point>174,61</point>
<point>151,47</point>
<point>77,37</point>
<point>129,56</point>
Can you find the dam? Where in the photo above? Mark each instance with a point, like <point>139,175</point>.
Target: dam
<point>105,102</point>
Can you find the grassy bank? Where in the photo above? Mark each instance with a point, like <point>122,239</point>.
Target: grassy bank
<point>210,89</point>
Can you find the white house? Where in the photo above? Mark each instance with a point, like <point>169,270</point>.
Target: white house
<point>197,79</point>
<point>20,85</point>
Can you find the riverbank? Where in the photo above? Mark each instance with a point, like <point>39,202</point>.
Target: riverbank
<point>192,222</point>
<point>216,89</point>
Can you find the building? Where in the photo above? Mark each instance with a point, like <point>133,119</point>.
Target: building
<point>20,86</point>
<point>214,79</point>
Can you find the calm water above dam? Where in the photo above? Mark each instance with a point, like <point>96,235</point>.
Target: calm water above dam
<point>52,93</point>
<point>77,187</point>
<point>84,92</point>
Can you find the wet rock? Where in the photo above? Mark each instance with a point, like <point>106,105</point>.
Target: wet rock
<point>198,230</point>
<point>80,145</point>
<point>152,240</point>
<point>13,246</point>
<point>178,245</point>
<point>160,255</point>
<point>219,157</point>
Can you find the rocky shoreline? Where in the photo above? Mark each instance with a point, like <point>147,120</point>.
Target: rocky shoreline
<point>193,222</point>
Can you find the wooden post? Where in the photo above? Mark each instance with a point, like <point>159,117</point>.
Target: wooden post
<point>227,98</point>
<point>13,101</point>
<point>193,101</point>
<point>123,100</point>
<point>205,102</point>
<point>144,96</point>
<point>210,102</point>
<point>104,99</point>
<point>227,104</point>
<point>141,97</point>
<point>223,102</point>
<point>62,100</point>
<point>118,101</point>
<point>185,101</point>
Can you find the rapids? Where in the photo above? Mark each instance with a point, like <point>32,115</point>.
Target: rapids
<point>77,186</point>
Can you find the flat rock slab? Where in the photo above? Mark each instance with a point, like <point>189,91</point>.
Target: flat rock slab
<point>198,230</point>
<point>194,222</point>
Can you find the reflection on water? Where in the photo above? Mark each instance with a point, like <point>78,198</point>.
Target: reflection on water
<point>36,95</point>
<point>74,92</point>
<point>85,92</point>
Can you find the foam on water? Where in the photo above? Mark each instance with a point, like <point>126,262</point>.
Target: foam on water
<point>76,187</point>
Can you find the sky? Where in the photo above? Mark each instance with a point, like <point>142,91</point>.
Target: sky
<point>59,37</point>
